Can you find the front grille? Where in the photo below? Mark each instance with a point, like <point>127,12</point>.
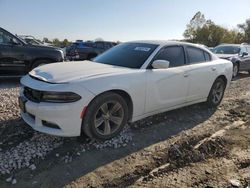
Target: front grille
<point>32,94</point>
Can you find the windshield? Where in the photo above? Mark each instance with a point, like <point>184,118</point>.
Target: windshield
<point>32,41</point>
<point>226,50</point>
<point>131,55</point>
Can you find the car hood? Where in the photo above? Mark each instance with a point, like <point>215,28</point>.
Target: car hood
<point>226,56</point>
<point>72,71</point>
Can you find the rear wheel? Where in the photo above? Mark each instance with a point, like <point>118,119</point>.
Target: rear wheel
<point>105,117</point>
<point>216,93</point>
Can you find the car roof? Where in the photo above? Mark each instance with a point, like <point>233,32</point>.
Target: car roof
<point>236,45</point>
<point>166,42</point>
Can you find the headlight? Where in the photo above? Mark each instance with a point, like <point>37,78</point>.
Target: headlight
<point>59,97</point>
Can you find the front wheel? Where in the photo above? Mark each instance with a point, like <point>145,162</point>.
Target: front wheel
<point>105,117</point>
<point>216,93</point>
<point>235,70</point>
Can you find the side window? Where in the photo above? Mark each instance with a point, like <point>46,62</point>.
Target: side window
<point>207,56</point>
<point>248,49</point>
<point>243,49</point>
<point>173,54</point>
<point>99,45</point>
<point>107,46</point>
<point>196,55</point>
<point>5,38</point>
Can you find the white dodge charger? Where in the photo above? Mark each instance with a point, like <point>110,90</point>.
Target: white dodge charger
<point>128,82</point>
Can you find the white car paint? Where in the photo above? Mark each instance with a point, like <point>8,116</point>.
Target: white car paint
<point>151,90</point>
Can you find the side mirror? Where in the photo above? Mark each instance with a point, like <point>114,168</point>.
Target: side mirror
<point>160,64</point>
<point>244,54</point>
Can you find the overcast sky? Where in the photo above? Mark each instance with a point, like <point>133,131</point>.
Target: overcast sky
<point>114,20</point>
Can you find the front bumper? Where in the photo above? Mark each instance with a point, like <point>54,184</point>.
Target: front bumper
<point>65,118</point>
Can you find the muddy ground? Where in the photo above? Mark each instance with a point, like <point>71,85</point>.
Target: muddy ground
<point>194,146</point>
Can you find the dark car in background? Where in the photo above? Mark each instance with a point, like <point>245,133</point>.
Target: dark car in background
<point>80,50</point>
<point>238,54</point>
<point>17,57</point>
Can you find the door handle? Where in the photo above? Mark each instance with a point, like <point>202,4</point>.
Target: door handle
<point>213,68</point>
<point>185,74</point>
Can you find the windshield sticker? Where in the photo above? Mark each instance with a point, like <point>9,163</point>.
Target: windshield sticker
<point>144,49</point>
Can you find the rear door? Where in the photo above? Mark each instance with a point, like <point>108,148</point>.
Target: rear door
<point>11,55</point>
<point>202,73</point>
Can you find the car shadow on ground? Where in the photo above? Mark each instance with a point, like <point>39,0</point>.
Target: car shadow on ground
<point>241,75</point>
<point>55,173</point>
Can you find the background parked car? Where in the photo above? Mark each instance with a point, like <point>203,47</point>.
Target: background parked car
<point>238,54</point>
<point>18,57</point>
<point>80,50</point>
<point>32,40</point>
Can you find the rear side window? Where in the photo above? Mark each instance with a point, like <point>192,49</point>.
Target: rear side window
<point>173,54</point>
<point>196,55</point>
<point>207,56</point>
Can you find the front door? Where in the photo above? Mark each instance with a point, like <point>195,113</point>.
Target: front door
<point>11,56</point>
<point>167,88</point>
<point>245,60</point>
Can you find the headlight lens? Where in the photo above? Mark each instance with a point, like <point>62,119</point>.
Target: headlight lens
<point>59,97</point>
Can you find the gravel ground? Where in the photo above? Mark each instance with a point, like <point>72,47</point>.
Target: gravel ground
<point>27,157</point>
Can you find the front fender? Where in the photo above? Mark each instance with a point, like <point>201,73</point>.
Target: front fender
<point>133,85</point>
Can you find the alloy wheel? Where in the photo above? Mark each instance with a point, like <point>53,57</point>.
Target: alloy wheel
<point>235,70</point>
<point>108,118</point>
<point>217,92</point>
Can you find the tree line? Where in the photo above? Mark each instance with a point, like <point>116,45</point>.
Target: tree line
<point>199,30</point>
<point>57,42</point>
<point>202,31</point>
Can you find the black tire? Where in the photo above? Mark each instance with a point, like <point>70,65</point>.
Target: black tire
<point>89,122</point>
<point>211,100</point>
<point>39,63</point>
<point>235,70</point>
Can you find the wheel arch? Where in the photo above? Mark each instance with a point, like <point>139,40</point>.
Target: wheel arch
<point>124,95</point>
<point>223,77</point>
